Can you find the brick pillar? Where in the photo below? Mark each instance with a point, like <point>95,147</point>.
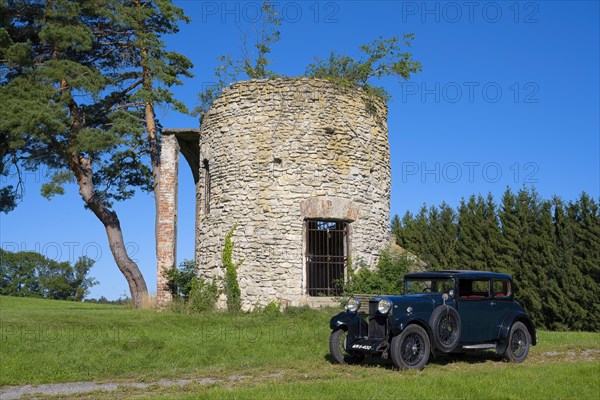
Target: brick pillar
<point>166,227</point>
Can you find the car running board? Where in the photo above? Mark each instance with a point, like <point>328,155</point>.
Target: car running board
<point>479,346</point>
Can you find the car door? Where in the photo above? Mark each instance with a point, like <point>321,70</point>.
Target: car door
<point>476,310</point>
<point>502,302</point>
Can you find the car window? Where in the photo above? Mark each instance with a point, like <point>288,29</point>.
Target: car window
<point>501,288</point>
<point>428,286</point>
<point>474,288</point>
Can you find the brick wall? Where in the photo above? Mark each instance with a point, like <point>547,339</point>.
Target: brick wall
<point>166,227</point>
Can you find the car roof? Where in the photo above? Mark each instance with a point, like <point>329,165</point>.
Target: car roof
<point>449,274</point>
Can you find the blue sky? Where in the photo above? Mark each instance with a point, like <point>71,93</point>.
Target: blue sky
<point>508,96</point>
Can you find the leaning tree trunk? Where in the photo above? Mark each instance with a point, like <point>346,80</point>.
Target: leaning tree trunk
<point>82,168</point>
<point>135,279</point>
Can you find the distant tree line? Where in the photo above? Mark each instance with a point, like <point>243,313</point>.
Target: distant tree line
<point>30,274</point>
<point>121,301</point>
<point>551,247</point>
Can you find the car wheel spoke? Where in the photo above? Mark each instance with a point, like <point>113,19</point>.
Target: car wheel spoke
<point>447,329</point>
<point>412,349</point>
<point>518,343</point>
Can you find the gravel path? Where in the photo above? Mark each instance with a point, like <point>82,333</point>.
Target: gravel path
<point>17,392</point>
<point>65,389</point>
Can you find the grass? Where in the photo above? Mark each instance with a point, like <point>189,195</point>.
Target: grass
<point>537,382</point>
<point>251,356</point>
<point>78,341</point>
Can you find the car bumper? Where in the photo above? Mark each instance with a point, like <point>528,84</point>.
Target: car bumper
<point>367,346</point>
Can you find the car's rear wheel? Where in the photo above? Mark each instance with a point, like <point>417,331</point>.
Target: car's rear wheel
<point>446,326</point>
<point>519,341</point>
<point>411,348</point>
<point>337,348</point>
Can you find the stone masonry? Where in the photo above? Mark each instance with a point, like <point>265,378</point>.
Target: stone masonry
<point>276,153</point>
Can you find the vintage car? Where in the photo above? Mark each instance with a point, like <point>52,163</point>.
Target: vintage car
<point>440,311</point>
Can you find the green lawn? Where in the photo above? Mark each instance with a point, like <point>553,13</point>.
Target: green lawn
<point>255,355</point>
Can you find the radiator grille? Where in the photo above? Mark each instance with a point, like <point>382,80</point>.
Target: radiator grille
<point>377,323</point>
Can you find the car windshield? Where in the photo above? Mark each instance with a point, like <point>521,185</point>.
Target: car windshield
<point>413,286</point>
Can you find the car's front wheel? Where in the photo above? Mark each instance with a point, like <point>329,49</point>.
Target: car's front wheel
<point>337,348</point>
<point>519,341</point>
<point>411,348</point>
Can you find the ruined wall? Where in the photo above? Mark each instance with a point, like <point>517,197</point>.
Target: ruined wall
<point>278,152</point>
<point>166,223</point>
<point>174,141</point>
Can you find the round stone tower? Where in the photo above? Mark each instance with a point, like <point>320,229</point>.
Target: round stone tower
<point>301,169</point>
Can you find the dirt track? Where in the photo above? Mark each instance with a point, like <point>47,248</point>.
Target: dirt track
<point>71,388</point>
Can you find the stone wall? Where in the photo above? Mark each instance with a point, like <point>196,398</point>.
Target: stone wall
<point>279,152</point>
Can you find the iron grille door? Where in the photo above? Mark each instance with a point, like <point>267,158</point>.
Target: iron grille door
<point>326,256</point>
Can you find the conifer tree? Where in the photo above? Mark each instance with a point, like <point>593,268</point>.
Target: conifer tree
<point>422,236</point>
<point>152,68</point>
<point>75,96</point>
<point>491,235</point>
<point>585,215</point>
<point>396,228</point>
<point>448,238</point>
<point>470,236</point>
<point>568,285</point>
<point>526,224</point>
<point>580,239</point>
<point>551,248</point>
<point>433,233</point>
<point>405,235</point>
<point>509,255</point>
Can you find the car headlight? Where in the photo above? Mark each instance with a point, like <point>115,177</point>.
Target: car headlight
<point>384,306</point>
<point>353,304</point>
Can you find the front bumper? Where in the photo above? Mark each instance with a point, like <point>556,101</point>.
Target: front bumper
<point>362,337</point>
<point>367,346</point>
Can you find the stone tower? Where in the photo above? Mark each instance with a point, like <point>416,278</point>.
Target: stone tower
<point>301,168</point>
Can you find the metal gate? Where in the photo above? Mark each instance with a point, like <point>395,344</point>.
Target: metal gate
<point>327,249</point>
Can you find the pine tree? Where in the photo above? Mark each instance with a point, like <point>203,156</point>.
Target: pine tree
<point>585,214</point>
<point>396,228</point>
<point>448,238</point>
<point>543,263</point>
<point>513,217</point>
<point>470,244</point>
<point>509,254</point>
<point>582,235</point>
<point>406,234</point>
<point>9,156</point>
<point>422,236</point>
<point>527,239</point>
<point>551,248</point>
<point>492,236</point>
<point>433,249</point>
<point>75,93</point>
<point>152,69</point>
<point>568,284</point>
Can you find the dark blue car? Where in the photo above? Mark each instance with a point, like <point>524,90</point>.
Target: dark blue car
<point>443,311</point>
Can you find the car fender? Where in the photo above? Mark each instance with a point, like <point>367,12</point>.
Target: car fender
<point>509,320</point>
<point>398,325</point>
<point>350,321</point>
